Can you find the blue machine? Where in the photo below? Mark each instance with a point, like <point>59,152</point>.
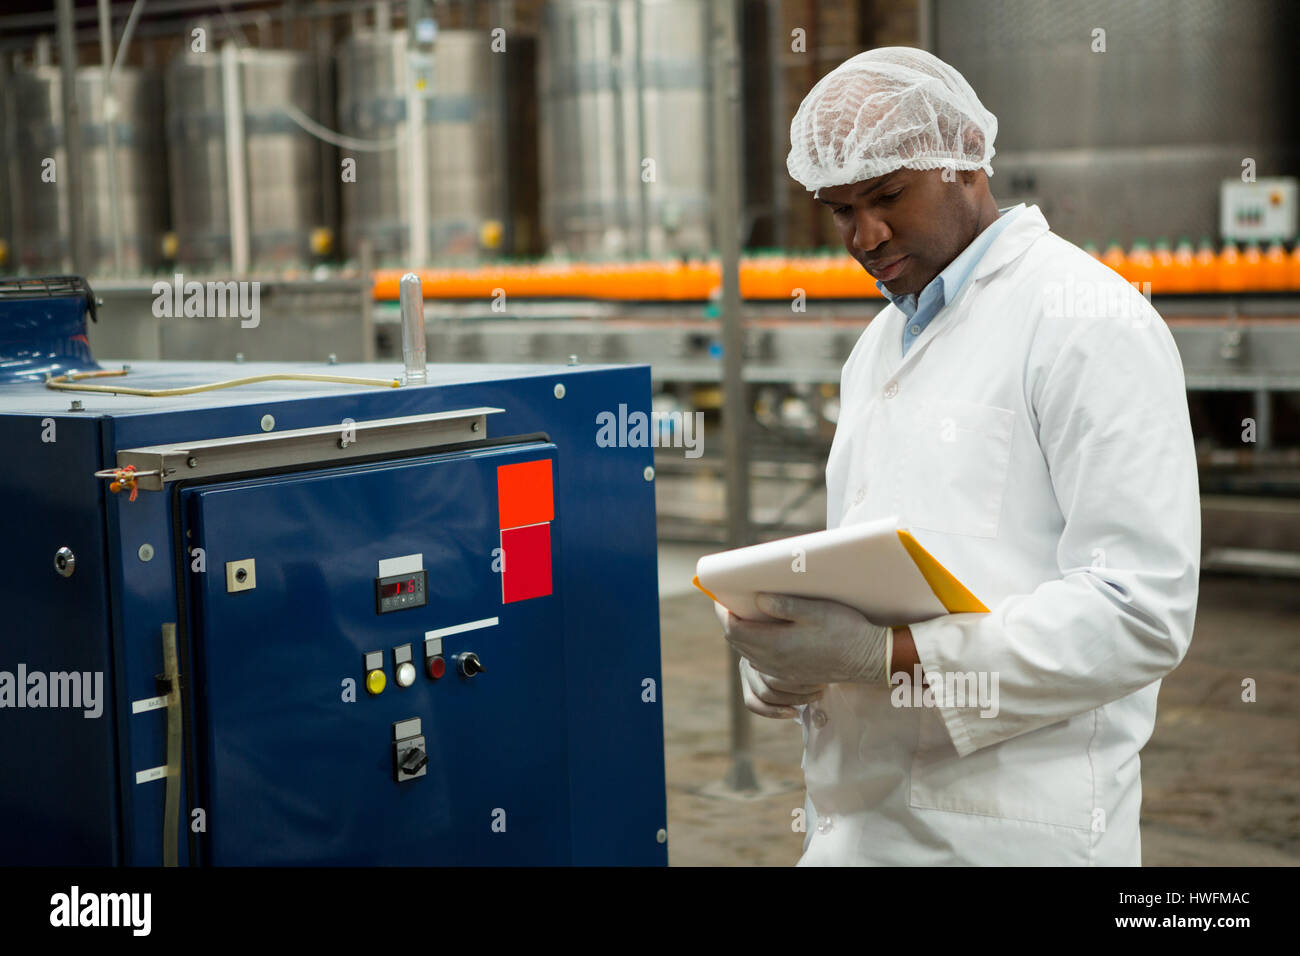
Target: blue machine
<point>339,623</point>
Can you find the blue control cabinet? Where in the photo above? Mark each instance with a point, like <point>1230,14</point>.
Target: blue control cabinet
<point>411,625</point>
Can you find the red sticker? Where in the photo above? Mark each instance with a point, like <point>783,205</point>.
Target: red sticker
<point>526,572</point>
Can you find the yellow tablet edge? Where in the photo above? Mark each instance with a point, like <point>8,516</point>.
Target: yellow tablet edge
<point>696,581</point>
<point>950,592</point>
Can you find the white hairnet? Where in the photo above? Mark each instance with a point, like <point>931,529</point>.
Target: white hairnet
<point>885,109</point>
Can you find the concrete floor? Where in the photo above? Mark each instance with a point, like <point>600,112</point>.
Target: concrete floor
<point>1221,778</point>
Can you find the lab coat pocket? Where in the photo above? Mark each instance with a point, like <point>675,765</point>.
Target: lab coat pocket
<point>955,469</point>
<point>1044,776</point>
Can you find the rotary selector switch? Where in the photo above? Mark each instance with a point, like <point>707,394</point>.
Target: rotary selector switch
<point>468,664</point>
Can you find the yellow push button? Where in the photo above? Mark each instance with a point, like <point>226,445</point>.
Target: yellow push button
<point>376,681</point>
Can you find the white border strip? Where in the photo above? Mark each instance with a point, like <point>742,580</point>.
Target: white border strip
<point>461,628</point>
<point>406,564</point>
<point>153,773</point>
<point>148,703</point>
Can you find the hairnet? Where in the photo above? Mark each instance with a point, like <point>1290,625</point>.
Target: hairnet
<point>886,109</point>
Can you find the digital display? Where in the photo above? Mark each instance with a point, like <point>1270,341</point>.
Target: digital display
<point>400,592</point>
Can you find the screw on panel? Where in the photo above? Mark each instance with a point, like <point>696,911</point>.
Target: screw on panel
<point>649,473</point>
<point>126,368</point>
<point>268,422</point>
<point>573,360</point>
<point>65,562</point>
<point>473,426</point>
<point>334,359</point>
<point>76,405</point>
<point>239,356</point>
<point>146,552</point>
<point>192,462</point>
<point>559,390</point>
<point>661,836</point>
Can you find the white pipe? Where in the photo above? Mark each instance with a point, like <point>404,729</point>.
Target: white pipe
<point>417,166</point>
<point>236,174</point>
<point>108,104</point>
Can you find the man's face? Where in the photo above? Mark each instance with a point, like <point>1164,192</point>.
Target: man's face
<point>905,227</point>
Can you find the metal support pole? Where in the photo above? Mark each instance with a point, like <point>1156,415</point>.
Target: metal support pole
<point>1263,402</point>
<point>726,198</point>
<point>418,78</point>
<point>78,245</point>
<point>778,46</point>
<point>236,174</point>
<point>109,104</point>
<point>925,25</point>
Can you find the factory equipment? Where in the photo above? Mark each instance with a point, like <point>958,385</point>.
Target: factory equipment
<point>38,177</point>
<point>328,622</point>
<point>626,127</point>
<point>464,157</point>
<point>247,181</point>
<point>1120,119</point>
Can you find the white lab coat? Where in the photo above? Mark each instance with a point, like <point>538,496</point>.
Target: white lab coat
<point>1040,448</point>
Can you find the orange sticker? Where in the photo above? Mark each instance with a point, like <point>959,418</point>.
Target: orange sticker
<point>524,494</point>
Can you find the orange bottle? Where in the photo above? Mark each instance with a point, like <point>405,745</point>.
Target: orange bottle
<point>1293,268</point>
<point>1182,270</point>
<point>1252,268</point>
<point>1141,266</point>
<point>1274,273</point>
<point>1163,275</point>
<point>1115,258</point>
<point>1228,269</point>
<point>1206,275</point>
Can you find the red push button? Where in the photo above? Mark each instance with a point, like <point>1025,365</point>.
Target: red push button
<point>437,667</point>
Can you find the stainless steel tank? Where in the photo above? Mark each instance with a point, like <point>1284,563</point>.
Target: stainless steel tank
<point>40,207</point>
<point>625,127</point>
<point>1131,142</point>
<point>283,164</point>
<point>464,158</point>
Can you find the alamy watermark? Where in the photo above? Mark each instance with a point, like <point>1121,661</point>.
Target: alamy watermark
<point>79,690</point>
<point>654,429</point>
<point>212,300</point>
<point>1099,299</point>
<point>946,689</point>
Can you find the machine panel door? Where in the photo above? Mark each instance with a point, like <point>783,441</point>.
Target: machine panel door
<point>318,588</point>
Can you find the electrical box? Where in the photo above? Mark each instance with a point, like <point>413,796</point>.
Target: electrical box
<point>330,624</point>
<point>1260,211</point>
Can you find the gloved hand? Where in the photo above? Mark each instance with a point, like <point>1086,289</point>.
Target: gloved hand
<point>814,642</point>
<point>772,697</point>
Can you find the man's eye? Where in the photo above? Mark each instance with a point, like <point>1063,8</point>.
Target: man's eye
<point>842,210</point>
<point>892,196</point>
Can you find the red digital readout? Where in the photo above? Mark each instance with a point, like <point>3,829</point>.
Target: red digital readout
<point>397,587</point>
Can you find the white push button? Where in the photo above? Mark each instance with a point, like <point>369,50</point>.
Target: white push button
<point>891,390</point>
<point>405,674</point>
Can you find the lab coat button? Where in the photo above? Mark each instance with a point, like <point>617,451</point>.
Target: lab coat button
<point>891,390</point>
<point>860,496</point>
<point>819,718</point>
<point>824,824</point>
<point>915,330</point>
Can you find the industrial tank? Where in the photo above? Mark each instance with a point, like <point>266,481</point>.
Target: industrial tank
<point>625,127</point>
<point>40,206</point>
<point>464,158</point>
<point>282,162</point>
<point>1127,134</point>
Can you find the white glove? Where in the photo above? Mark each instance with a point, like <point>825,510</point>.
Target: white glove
<point>772,697</point>
<point>814,642</point>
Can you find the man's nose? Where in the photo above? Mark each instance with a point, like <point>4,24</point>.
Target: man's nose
<point>869,232</point>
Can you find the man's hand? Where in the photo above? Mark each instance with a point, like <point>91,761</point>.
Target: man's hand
<point>772,697</point>
<point>814,642</point>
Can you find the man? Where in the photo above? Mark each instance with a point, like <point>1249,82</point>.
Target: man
<point>1022,410</point>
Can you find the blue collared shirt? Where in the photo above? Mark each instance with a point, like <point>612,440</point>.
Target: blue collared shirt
<point>944,287</point>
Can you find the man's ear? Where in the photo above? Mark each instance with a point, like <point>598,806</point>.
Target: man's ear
<point>969,177</point>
